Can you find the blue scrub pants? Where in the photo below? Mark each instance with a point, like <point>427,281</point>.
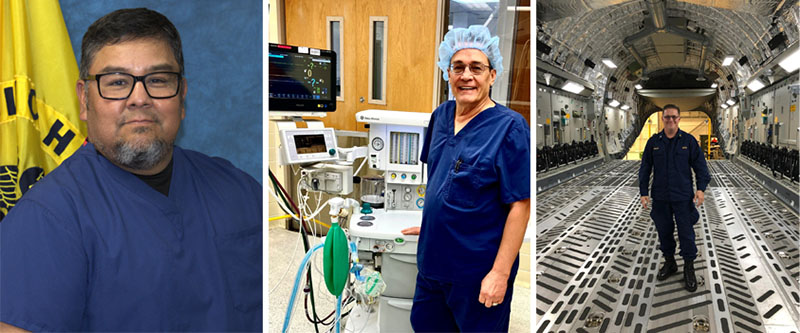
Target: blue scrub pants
<point>685,216</point>
<point>447,307</point>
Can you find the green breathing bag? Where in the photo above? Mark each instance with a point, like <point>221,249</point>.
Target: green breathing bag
<point>335,260</point>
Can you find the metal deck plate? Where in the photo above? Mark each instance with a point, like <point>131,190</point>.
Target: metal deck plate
<point>597,258</point>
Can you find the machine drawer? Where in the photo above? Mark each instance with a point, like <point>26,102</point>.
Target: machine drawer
<point>399,271</point>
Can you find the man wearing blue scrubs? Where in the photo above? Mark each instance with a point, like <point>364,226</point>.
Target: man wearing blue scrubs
<point>132,233</point>
<point>671,155</point>
<point>477,202</point>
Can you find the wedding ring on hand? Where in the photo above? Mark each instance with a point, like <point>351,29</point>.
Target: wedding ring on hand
<point>495,304</point>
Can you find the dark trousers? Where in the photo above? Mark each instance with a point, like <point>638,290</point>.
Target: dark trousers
<point>446,307</point>
<point>685,216</point>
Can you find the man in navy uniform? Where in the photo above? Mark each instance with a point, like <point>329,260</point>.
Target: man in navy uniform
<point>671,155</point>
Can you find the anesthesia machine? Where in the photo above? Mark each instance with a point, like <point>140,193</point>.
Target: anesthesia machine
<point>369,265</point>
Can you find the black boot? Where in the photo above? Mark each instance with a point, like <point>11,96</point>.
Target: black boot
<point>688,276</point>
<point>669,268</point>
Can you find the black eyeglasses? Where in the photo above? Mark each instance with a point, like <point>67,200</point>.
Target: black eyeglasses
<point>474,68</point>
<point>671,117</point>
<point>117,86</point>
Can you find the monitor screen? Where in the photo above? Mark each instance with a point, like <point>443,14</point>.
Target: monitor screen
<point>310,144</point>
<point>301,79</point>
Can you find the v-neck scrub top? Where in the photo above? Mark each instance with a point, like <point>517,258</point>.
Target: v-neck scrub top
<point>92,247</point>
<point>473,177</point>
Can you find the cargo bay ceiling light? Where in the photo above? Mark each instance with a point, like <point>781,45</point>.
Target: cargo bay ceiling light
<point>724,106</point>
<point>731,102</point>
<point>728,60</point>
<point>638,86</point>
<point>625,107</point>
<point>573,87</point>
<point>714,85</point>
<point>792,62</point>
<point>613,103</point>
<point>755,85</point>
<point>609,63</point>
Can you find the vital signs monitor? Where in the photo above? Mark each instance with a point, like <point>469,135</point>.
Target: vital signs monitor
<point>301,79</point>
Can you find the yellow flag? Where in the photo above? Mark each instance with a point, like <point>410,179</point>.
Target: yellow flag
<point>39,125</point>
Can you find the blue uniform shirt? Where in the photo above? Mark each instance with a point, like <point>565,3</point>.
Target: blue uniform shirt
<point>473,177</point>
<point>672,162</point>
<point>92,247</point>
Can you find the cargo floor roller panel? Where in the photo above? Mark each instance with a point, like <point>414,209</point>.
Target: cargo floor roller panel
<point>597,258</point>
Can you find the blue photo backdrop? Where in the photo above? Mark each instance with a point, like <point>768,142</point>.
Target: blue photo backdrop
<point>222,43</point>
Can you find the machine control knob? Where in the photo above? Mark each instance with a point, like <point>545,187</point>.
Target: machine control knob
<point>403,176</point>
<point>407,189</point>
<point>420,203</point>
<point>394,175</point>
<point>365,208</point>
<point>407,197</point>
<point>389,247</point>
<point>378,247</point>
<point>413,176</point>
<point>332,151</point>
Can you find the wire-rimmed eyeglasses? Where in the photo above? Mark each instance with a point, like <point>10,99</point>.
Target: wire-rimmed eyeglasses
<point>474,68</point>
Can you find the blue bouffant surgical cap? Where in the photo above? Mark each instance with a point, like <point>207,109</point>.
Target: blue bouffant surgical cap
<point>474,37</point>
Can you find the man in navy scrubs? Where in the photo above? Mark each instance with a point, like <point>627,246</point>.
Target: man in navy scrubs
<point>132,233</point>
<point>671,155</point>
<point>477,202</point>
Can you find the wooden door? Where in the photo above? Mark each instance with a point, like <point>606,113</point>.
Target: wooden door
<point>411,45</point>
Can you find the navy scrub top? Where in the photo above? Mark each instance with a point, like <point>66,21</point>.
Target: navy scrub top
<point>671,162</point>
<point>92,247</point>
<point>473,177</point>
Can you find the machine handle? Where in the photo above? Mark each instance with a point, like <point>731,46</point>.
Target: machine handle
<point>408,259</point>
<point>402,304</point>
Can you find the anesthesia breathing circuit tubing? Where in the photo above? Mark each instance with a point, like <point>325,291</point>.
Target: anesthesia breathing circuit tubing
<point>300,270</point>
<point>303,265</point>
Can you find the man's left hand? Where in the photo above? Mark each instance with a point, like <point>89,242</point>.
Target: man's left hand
<point>698,198</point>
<point>493,288</point>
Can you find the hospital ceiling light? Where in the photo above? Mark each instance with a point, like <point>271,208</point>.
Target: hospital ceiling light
<point>728,60</point>
<point>731,102</point>
<point>614,103</point>
<point>625,107</point>
<point>755,85</point>
<point>638,86</point>
<point>792,62</point>
<point>573,87</point>
<point>609,63</point>
<point>477,5</point>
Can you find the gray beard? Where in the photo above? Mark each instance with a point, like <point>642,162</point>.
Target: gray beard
<point>137,157</point>
<point>140,158</point>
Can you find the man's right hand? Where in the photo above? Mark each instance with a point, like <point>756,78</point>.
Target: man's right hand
<point>6,328</point>
<point>410,231</point>
<point>645,200</point>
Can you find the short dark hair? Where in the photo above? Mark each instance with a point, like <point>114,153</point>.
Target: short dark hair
<point>672,106</point>
<point>125,25</point>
